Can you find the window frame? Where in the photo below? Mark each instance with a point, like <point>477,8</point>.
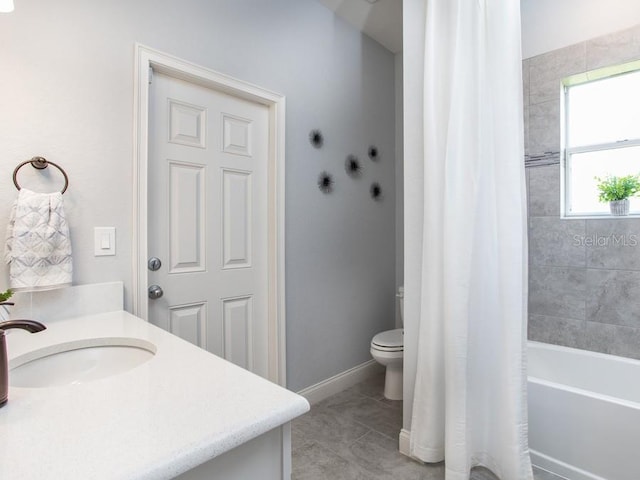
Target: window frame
<point>568,152</point>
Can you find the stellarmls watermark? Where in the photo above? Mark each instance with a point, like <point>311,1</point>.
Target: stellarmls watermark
<point>612,240</point>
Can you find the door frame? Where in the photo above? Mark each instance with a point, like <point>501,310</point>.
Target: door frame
<point>148,60</point>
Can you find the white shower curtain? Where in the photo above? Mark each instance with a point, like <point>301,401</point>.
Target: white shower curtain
<point>470,394</point>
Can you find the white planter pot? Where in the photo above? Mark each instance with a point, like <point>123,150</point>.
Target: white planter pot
<point>619,207</point>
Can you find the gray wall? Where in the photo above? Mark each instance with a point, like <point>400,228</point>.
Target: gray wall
<point>551,24</point>
<point>579,295</point>
<point>66,92</point>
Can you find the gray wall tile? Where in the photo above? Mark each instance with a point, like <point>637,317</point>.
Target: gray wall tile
<point>613,339</point>
<point>614,244</point>
<point>555,241</point>
<point>547,70</point>
<point>526,177</point>
<point>544,191</point>
<point>572,281</point>
<point>544,127</point>
<point>525,81</point>
<point>557,291</point>
<point>613,297</point>
<point>618,47</point>
<point>559,331</point>
<point>525,112</point>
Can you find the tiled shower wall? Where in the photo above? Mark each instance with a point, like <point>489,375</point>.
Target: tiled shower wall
<point>584,287</point>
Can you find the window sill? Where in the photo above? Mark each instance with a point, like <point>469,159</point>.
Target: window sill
<point>604,216</point>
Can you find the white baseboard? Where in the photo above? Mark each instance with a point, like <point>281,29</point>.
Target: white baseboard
<point>318,392</point>
<point>404,442</point>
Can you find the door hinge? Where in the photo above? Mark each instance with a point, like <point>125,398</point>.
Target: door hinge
<point>150,75</point>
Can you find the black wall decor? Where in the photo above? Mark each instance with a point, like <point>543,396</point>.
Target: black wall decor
<point>325,182</point>
<point>373,153</point>
<point>376,191</point>
<point>316,138</point>
<point>352,166</point>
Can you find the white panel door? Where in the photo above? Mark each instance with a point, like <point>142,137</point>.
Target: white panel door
<point>208,154</point>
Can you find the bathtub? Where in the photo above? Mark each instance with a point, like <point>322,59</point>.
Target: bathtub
<point>584,413</point>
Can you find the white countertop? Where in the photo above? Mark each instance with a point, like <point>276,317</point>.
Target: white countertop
<point>156,421</point>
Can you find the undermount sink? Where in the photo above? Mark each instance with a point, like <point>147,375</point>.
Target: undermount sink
<point>79,362</point>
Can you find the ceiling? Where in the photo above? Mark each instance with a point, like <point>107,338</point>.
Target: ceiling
<point>379,19</point>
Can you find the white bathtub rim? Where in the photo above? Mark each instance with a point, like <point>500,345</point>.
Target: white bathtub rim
<point>581,351</point>
<point>586,390</point>
<point>560,468</point>
<point>589,393</point>
<point>594,393</point>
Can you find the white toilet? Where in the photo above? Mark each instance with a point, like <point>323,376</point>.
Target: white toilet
<point>387,348</point>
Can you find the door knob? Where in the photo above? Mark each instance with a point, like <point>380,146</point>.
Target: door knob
<point>154,264</point>
<point>155,292</point>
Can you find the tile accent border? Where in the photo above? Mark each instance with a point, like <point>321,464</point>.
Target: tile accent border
<point>547,158</point>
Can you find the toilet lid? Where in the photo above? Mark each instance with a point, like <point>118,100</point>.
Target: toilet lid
<point>389,340</point>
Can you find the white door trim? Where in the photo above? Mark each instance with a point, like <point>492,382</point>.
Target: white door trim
<point>146,59</point>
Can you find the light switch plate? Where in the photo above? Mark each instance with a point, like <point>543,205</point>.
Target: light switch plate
<point>104,241</point>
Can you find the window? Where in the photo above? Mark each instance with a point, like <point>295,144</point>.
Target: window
<point>601,135</point>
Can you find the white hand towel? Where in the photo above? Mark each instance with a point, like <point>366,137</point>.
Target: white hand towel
<point>38,248</point>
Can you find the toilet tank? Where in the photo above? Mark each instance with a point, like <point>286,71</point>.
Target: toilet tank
<point>400,296</point>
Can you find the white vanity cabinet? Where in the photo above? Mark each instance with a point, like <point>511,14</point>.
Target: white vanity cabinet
<point>267,457</point>
<point>184,414</point>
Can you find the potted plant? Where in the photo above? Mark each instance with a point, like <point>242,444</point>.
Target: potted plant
<point>4,297</point>
<point>617,190</point>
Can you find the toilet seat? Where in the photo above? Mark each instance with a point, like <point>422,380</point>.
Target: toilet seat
<point>389,341</point>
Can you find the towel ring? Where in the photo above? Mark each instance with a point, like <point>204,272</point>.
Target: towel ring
<point>40,163</point>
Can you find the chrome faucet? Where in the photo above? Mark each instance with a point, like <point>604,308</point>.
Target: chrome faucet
<point>30,326</point>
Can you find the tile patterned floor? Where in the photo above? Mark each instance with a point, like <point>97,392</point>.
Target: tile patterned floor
<point>353,435</point>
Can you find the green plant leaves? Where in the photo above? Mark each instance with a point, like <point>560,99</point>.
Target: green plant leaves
<point>4,296</point>
<point>615,188</point>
